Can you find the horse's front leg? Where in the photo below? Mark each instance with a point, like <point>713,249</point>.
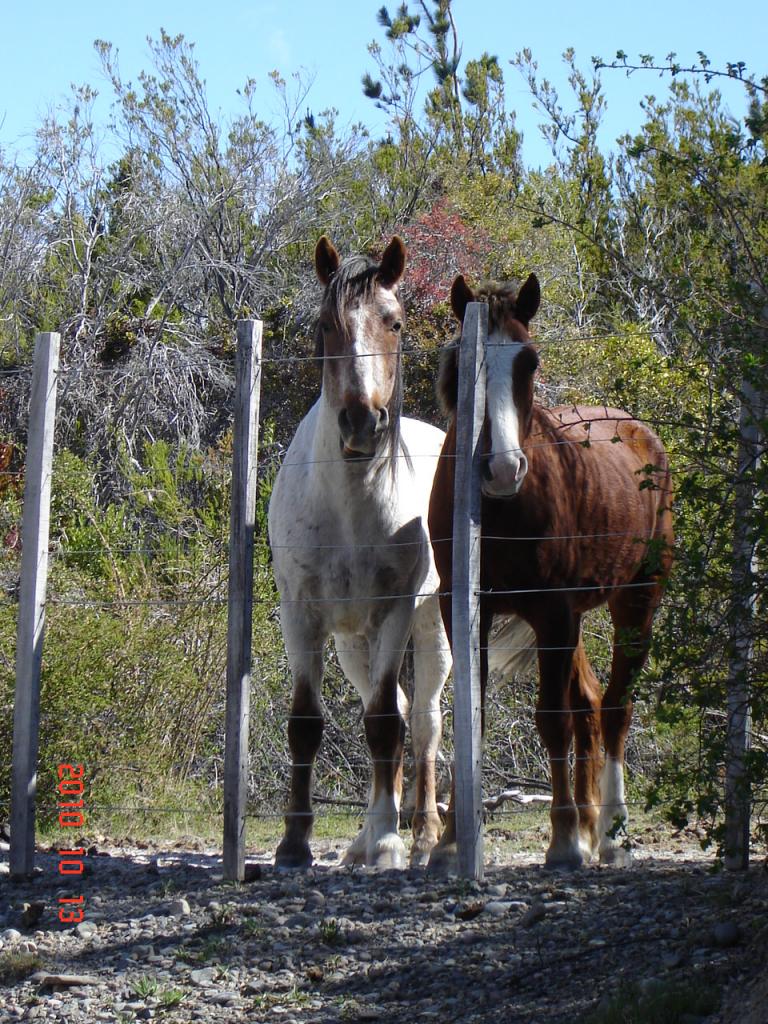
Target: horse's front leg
<point>353,654</point>
<point>432,663</point>
<point>385,731</point>
<point>305,731</point>
<point>632,611</point>
<point>445,856</point>
<point>557,635</point>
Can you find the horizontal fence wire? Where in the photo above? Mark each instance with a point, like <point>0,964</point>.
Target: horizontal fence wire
<point>448,708</point>
<point>262,541</point>
<point>120,602</point>
<point>537,805</point>
<point>61,551</point>
<point>526,446</point>
<point>405,352</point>
<point>608,587</point>
<point>414,761</point>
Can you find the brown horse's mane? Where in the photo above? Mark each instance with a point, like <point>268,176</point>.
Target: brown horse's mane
<point>501,297</point>
<point>355,280</point>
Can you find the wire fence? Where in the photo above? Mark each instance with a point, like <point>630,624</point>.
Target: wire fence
<point>63,552</point>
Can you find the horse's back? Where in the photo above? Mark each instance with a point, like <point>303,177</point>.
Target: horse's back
<point>598,489</point>
<point>604,424</point>
<point>615,450</point>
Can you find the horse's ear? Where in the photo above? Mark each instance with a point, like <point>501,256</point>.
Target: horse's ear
<point>448,378</point>
<point>461,294</point>
<point>528,299</point>
<point>392,263</point>
<point>327,260</point>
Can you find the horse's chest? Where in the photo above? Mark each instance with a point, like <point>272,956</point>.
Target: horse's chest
<point>343,566</point>
<point>352,587</point>
<point>345,552</point>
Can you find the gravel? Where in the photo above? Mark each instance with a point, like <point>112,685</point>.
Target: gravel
<point>165,938</point>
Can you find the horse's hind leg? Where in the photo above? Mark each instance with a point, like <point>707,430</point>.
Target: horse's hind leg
<point>305,731</point>
<point>585,708</point>
<point>432,663</point>
<point>632,612</point>
<point>444,858</point>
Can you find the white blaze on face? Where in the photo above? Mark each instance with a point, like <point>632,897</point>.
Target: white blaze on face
<point>354,372</point>
<point>366,375</point>
<point>506,465</point>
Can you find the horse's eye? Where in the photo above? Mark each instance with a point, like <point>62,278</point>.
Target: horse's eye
<point>397,326</point>
<point>325,327</point>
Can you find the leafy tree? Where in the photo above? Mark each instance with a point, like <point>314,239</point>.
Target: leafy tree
<point>680,249</point>
<point>24,198</point>
<point>458,126</point>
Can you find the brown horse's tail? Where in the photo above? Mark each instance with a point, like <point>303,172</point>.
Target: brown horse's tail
<point>512,649</point>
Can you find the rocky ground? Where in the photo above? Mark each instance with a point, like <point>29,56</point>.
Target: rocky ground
<point>165,938</point>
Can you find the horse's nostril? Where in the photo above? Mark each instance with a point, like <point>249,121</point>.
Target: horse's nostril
<point>344,424</point>
<point>383,419</point>
<point>359,421</point>
<point>522,468</point>
<point>485,470</point>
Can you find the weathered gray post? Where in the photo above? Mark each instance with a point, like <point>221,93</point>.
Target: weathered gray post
<point>739,724</point>
<point>31,621</point>
<point>240,602</point>
<point>470,412</point>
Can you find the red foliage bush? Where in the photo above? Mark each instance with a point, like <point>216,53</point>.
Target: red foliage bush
<point>440,246</point>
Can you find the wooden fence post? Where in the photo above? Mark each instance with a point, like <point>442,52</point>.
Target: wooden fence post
<point>240,596</point>
<point>470,413</point>
<point>32,592</point>
<point>739,723</point>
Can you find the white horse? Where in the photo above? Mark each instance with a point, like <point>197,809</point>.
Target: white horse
<point>352,559</point>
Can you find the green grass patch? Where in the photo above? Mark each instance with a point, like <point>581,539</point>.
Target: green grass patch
<point>17,966</point>
<point>171,998</point>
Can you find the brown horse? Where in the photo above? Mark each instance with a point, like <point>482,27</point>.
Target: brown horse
<point>575,514</point>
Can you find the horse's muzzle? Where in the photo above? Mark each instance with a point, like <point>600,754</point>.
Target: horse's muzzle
<point>503,478</point>
<point>361,429</point>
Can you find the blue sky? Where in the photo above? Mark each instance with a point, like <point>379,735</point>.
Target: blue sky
<point>47,45</point>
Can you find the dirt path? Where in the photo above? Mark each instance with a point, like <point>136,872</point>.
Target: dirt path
<point>165,938</point>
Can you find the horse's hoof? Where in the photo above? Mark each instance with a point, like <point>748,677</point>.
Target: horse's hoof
<point>388,854</point>
<point>588,850</point>
<point>419,858</point>
<point>292,856</point>
<point>355,853</point>
<point>444,860</point>
<point>615,857</point>
<point>420,852</point>
<point>563,860</point>
<point>353,857</point>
